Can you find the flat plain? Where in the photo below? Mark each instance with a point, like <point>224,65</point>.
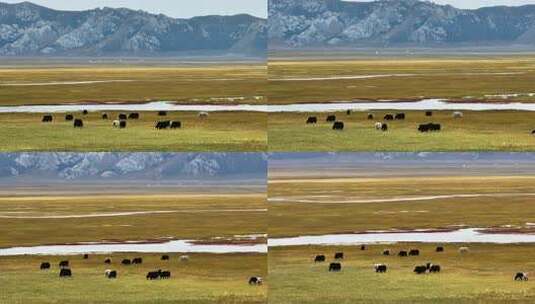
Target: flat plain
<point>220,131</point>
<point>331,78</point>
<point>38,219</point>
<point>334,198</point>
<point>205,278</point>
<point>69,82</point>
<point>484,275</point>
<point>476,131</point>
<point>32,217</point>
<point>312,205</point>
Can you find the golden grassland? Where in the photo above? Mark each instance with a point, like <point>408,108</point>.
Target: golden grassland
<point>221,131</point>
<point>476,131</point>
<point>466,78</point>
<point>205,278</point>
<point>191,217</point>
<point>485,275</point>
<point>211,84</point>
<point>347,205</point>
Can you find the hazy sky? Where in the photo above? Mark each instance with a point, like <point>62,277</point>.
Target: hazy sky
<point>173,8</point>
<point>476,3</point>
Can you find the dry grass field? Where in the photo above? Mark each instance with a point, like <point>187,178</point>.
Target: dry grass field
<point>470,78</point>
<point>62,84</point>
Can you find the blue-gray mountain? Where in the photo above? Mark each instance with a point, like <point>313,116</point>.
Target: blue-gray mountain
<point>27,29</point>
<point>141,166</point>
<point>322,23</point>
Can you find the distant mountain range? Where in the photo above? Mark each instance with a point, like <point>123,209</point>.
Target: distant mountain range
<point>131,166</point>
<point>391,23</point>
<point>404,158</point>
<point>27,29</point>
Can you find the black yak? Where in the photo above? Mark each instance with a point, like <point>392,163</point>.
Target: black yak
<point>335,267</point>
<point>319,259</point>
<point>338,126</point>
<point>78,123</point>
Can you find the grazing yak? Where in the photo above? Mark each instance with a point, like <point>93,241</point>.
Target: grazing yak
<point>256,281</point>
<point>457,114</point>
<point>78,123</point>
<point>429,127</point>
<point>439,249</point>
<point>133,115</point>
<point>45,265</point>
<point>319,258</point>
<point>433,268</point>
<point>533,132</point>
<point>400,116</point>
<point>153,275</point>
<point>105,116</point>
<point>161,125</point>
<point>371,116</point>
<point>137,261</point>
<point>126,262</point>
<point>107,261</point>
<point>165,274</point>
<point>175,125</point>
<point>380,268</point>
<point>428,113</point>
<point>402,253</point>
<point>65,273</point>
<point>110,274</point>
<point>165,257</point>
<point>362,247</point>
<point>63,264</point>
<point>162,113</point>
<point>381,126</point>
<point>203,115</point>
<point>414,252</point>
<point>312,120</point>
<point>521,276</point>
<point>386,252</point>
<point>421,269</point>
<point>85,112</point>
<point>122,116</point>
<point>464,250</point>
<point>388,117</point>
<point>86,256</point>
<point>348,112</point>
<point>338,125</point>
<point>69,117</point>
<point>339,256</point>
<point>120,124</point>
<point>331,118</point>
<point>184,258</point>
<point>335,267</point>
<point>47,118</point>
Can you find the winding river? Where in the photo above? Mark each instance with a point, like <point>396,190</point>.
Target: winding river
<point>468,235</point>
<point>425,104</point>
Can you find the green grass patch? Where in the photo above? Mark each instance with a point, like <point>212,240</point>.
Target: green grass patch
<point>206,278</point>
<point>477,131</point>
<point>221,131</point>
<point>485,275</point>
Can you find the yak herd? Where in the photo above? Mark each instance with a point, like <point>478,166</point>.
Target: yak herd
<point>65,270</point>
<point>336,265</point>
<point>122,118</point>
<point>383,125</point>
